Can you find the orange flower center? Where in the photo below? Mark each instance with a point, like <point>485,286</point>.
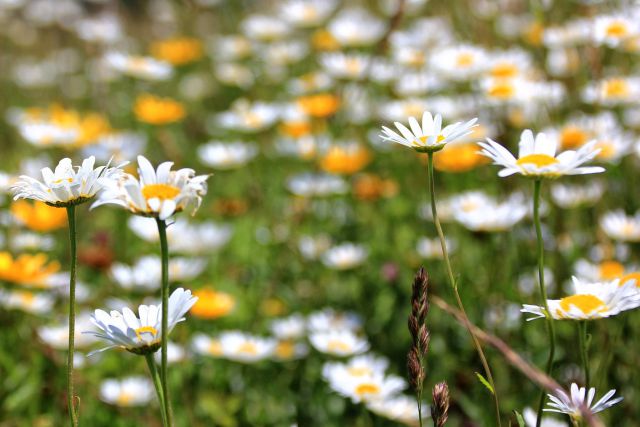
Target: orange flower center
<point>573,137</point>
<point>540,160</point>
<point>611,270</point>
<point>584,302</point>
<point>616,29</point>
<point>367,389</point>
<point>615,88</point>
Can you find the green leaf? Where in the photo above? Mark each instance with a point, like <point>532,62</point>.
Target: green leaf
<point>485,382</point>
<point>519,418</point>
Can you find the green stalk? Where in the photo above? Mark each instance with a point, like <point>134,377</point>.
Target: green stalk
<point>551,332</point>
<point>164,249</point>
<point>454,286</point>
<point>71,217</point>
<point>584,351</point>
<point>153,370</point>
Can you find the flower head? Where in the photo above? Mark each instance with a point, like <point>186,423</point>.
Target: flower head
<point>67,185</point>
<point>537,157</point>
<point>572,405</point>
<point>140,334</point>
<point>430,136</point>
<point>158,192</point>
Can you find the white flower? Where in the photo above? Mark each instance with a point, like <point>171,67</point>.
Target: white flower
<point>235,345</point>
<point>289,328</point>
<point>316,185</point>
<point>67,185</point>
<point>140,335</point>
<point>366,365</point>
<point>537,157</point>
<point>225,156</point>
<point>614,30</point>
<point>400,408</point>
<point>479,212</point>
<point>306,13</point>
<point>30,302</point>
<point>344,256</point>
<point>530,418</point>
<point>365,388</point>
<point>57,335</point>
<point>157,193</point>
<point>143,67</point>
<point>621,227</point>
<point>590,301</point>
<point>570,196</point>
<point>146,273</point>
<point>356,27</point>
<point>338,342</point>
<point>430,136</point>
<point>248,117</point>
<point>329,319</point>
<point>131,391</point>
<point>432,249</point>
<point>571,405</point>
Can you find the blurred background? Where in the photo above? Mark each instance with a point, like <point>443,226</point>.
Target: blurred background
<point>312,224</point>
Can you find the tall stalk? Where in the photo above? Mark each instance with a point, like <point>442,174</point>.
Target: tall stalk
<point>164,249</point>
<point>71,218</point>
<point>153,370</point>
<point>584,351</point>
<point>454,287</point>
<point>543,293</point>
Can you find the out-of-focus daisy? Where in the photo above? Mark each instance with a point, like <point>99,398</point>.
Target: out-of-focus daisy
<point>572,405</point>
<point>537,157</point>
<point>307,13</point>
<point>345,66</point>
<point>338,342</point>
<point>344,158</point>
<point>478,212</point>
<point>460,62</point>
<point>38,216</point>
<point>316,185</point>
<point>400,408</point>
<point>30,302</point>
<point>366,389</point>
<point>428,136</point>
<point>614,30</point>
<point>344,256</point>
<point>223,156</point>
<point>284,53</point>
<point>356,27</point>
<point>604,271</point>
<point>619,226</point>
<point>158,111</point>
<point>178,51</point>
<point>31,241</point>
<point>431,249</point>
<point>248,117</point>
<point>57,335</point>
<point>242,347</point>
<point>146,273</point>
<point>311,247</point>
<point>143,67</point>
<point>140,335</point>
<point>234,75</point>
<point>571,196</point>
<point>66,185</point>
<point>286,350</point>
<point>157,193</point>
<point>212,304</point>
<point>127,392</point>
<point>119,146</point>
<point>184,237</point>
<point>329,319</point>
<point>365,365</point>
<point>175,353</point>
<point>265,28</point>
<point>289,328</point>
<point>26,269</point>
<point>590,301</point>
<point>531,417</point>
<point>612,91</point>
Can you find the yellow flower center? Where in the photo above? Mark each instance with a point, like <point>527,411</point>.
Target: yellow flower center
<point>360,371</point>
<point>146,330</point>
<point>285,349</point>
<point>125,398</point>
<point>338,346</point>
<point>248,348</point>
<point>215,348</point>
<point>367,388</point>
<point>160,191</point>
<point>611,270</point>
<point>616,29</point>
<point>607,149</point>
<point>584,302</point>
<point>504,70</point>
<point>424,138</point>
<point>465,60</point>
<point>540,160</point>
<point>616,88</point>
<point>502,90</point>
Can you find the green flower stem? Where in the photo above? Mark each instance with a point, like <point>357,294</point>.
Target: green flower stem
<point>419,396</point>
<point>454,286</point>
<point>71,217</point>
<point>164,248</point>
<point>584,351</point>
<point>153,370</point>
<point>551,332</point>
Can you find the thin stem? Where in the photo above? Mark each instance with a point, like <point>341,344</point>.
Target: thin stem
<point>164,248</point>
<point>153,370</point>
<point>419,396</point>
<point>584,351</point>
<point>454,286</point>
<point>543,293</point>
<point>71,217</point>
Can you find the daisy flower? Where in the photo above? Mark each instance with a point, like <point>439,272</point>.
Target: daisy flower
<point>537,157</point>
<point>157,193</point>
<point>619,226</point>
<point>572,405</point>
<point>67,185</point>
<point>430,136</point>
<point>130,391</point>
<point>590,301</point>
<point>337,342</point>
<point>140,334</point>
